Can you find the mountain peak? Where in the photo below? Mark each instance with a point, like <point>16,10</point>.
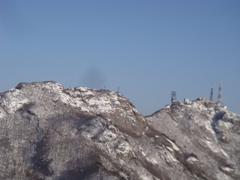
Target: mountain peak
<point>53,133</point>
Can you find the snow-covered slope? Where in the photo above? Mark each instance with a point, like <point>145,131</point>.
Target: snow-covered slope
<point>51,133</point>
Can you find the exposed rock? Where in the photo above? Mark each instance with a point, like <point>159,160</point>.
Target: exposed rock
<point>51,133</point>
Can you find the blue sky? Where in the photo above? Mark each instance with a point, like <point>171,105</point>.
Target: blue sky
<point>146,47</point>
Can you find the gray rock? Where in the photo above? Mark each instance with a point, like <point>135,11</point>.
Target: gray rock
<point>51,133</point>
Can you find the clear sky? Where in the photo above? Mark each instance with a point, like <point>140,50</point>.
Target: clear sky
<point>146,47</point>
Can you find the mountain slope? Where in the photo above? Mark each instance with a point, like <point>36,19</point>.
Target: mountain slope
<point>51,133</point>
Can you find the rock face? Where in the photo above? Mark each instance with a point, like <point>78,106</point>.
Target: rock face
<point>51,133</point>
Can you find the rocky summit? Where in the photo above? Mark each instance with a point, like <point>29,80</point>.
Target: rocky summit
<point>48,132</point>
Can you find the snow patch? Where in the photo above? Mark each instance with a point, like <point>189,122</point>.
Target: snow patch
<point>107,136</point>
<point>14,100</point>
<point>152,159</point>
<point>123,149</point>
<point>192,160</point>
<point>101,104</point>
<point>2,113</point>
<point>214,148</point>
<point>169,157</point>
<point>173,145</point>
<point>227,169</point>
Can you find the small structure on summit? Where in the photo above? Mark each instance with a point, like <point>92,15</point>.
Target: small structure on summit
<point>173,96</point>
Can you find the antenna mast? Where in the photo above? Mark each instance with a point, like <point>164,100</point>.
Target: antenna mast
<point>118,89</point>
<point>211,95</point>
<point>219,97</point>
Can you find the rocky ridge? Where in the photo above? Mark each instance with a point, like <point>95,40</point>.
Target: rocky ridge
<point>48,132</point>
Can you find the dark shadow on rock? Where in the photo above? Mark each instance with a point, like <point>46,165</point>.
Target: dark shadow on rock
<point>215,121</point>
<point>40,161</point>
<point>80,173</point>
